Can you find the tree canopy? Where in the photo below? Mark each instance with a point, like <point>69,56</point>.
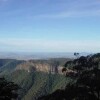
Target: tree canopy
<point>86,82</point>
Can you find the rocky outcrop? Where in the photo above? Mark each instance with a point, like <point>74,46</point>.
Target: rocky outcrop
<point>40,66</point>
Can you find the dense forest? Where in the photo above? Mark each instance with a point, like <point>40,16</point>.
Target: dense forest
<point>85,83</point>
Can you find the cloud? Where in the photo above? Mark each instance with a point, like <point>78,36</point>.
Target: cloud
<point>57,9</point>
<point>70,14</point>
<point>74,8</point>
<point>38,45</point>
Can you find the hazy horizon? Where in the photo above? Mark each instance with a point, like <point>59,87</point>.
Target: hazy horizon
<point>38,55</point>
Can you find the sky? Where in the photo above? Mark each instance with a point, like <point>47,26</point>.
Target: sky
<point>50,25</point>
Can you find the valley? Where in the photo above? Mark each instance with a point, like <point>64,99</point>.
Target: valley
<point>35,77</point>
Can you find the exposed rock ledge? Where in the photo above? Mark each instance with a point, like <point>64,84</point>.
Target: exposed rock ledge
<point>40,66</point>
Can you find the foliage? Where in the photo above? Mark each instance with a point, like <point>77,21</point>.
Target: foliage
<point>86,85</point>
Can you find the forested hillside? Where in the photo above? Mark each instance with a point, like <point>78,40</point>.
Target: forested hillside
<point>34,83</point>
<point>85,83</point>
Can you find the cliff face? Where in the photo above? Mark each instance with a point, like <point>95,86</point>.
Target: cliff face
<point>40,66</point>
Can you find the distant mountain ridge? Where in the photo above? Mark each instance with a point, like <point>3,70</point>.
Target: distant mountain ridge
<point>28,56</point>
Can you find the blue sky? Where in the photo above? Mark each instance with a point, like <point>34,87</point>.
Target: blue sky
<point>50,25</point>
